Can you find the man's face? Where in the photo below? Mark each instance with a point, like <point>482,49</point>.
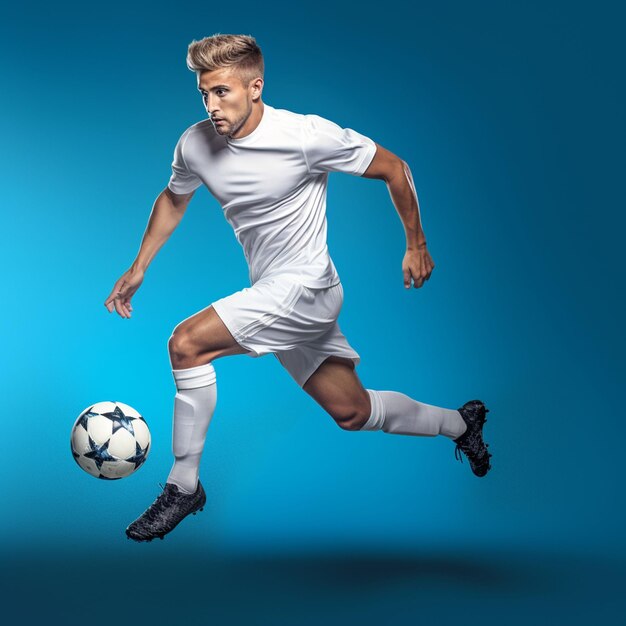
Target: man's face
<point>227,102</point>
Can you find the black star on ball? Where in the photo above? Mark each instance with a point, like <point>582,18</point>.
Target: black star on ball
<point>140,455</point>
<point>84,418</point>
<point>99,454</point>
<point>120,420</point>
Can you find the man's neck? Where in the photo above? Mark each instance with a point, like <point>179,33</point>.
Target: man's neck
<point>253,121</point>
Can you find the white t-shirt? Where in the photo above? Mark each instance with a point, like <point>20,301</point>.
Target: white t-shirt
<point>272,185</point>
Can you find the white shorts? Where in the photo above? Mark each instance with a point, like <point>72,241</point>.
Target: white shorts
<point>296,323</point>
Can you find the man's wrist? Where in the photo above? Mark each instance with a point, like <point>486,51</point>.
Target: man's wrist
<point>418,244</point>
<point>137,265</point>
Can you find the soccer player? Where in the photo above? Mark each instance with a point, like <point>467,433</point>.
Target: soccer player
<point>268,169</point>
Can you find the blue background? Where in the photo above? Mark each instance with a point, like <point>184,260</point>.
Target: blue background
<point>511,118</point>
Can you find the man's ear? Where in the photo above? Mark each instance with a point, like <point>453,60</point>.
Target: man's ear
<point>257,88</point>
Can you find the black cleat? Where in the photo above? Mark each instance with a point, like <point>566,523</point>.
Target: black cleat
<point>471,441</point>
<point>166,512</point>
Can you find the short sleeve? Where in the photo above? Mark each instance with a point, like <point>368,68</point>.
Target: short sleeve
<point>329,148</point>
<point>182,179</point>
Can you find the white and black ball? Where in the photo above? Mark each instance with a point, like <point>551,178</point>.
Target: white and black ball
<point>110,440</point>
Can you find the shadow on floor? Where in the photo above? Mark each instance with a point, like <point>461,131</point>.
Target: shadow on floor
<point>298,589</point>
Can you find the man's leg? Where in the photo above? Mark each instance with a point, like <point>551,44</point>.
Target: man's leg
<point>337,388</point>
<point>194,344</point>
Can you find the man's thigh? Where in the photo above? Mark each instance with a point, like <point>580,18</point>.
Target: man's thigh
<point>202,338</point>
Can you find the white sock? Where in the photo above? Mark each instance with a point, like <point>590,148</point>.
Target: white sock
<point>194,405</point>
<point>394,412</point>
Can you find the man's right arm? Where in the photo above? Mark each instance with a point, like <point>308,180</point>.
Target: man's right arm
<point>167,212</point>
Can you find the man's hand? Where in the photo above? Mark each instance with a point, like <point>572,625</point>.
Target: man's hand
<point>123,291</point>
<point>417,264</point>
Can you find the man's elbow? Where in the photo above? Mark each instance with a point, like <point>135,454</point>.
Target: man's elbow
<point>404,167</point>
<point>396,169</point>
<point>385,165</point>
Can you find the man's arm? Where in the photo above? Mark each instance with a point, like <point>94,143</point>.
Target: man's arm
<point>168,210</point>
<point>417,262</point>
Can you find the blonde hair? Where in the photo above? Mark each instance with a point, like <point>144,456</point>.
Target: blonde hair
<point>240,52</point>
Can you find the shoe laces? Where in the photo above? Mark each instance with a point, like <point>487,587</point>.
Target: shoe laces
<point>163,501</point>
<point>465,446</point>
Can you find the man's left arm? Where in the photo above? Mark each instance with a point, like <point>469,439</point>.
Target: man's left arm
<point>417,262</point>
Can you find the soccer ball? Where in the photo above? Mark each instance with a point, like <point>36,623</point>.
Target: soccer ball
<point>110,440</point>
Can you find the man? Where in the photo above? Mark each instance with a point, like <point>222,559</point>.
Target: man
<point>268,168</point>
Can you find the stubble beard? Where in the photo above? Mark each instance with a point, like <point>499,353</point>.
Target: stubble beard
<point>231,129</point>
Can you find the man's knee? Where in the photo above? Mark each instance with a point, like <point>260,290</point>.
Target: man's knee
<point>351,417</point>
<point>181,346</point>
